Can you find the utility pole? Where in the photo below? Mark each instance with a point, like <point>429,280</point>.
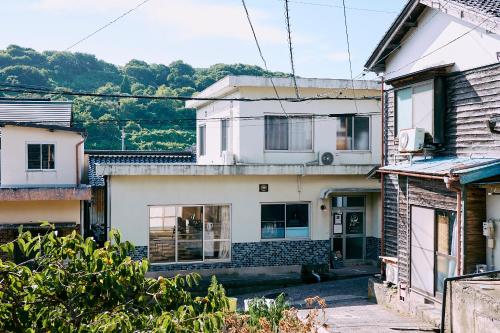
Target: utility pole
<point>123,138</point>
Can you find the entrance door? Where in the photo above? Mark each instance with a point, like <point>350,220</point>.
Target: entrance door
<point>422,249</point>
<point>348,227</point>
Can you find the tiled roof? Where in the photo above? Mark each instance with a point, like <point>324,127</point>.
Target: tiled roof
<point>487,7</point>
<point>133,157</point>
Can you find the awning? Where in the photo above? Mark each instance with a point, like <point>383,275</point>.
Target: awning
<point>467,169</point>
<point>324,193</point>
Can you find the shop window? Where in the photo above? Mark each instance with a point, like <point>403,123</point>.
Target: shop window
<point>284,220</point>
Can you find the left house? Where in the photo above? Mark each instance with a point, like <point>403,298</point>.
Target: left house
<point>41,164</point>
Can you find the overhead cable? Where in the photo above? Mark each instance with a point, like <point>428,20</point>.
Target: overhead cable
<point>290,48</point>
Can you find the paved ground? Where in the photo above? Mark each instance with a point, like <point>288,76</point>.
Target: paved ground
<point>348,309</point>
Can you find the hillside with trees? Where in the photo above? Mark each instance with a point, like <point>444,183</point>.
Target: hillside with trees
<point>148,124</point>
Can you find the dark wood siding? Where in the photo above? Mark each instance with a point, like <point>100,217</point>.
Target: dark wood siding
<point>390,215</point>
<point>475,215</point>
<point>472,97</point>
<point>403,231</point>
<point>97,214</point>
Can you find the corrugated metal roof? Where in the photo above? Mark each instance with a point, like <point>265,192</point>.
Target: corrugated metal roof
<point>441,166</point>
<point>41,112</point>
<point>134,157</point>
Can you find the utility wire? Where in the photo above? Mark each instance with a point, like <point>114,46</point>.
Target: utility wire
<point>337,6</point>
<point>349,54</point>
<point>48,91</point>
<point>287,17</point>
<point>106,25</point>
<point>262,55</point>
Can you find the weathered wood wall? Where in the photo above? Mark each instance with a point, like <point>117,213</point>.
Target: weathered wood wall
<point>390,215</point>
<point>475,215</point>
<point>97,214</point>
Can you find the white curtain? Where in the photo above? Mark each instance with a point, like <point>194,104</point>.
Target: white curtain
<point>276,128</point>
<point>300,133</point>
<point>225,246</point>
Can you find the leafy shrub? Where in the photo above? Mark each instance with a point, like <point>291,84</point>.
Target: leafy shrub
<point>67,284</point>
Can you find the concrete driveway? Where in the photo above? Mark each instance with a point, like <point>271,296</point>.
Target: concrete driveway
<point>348,308</point>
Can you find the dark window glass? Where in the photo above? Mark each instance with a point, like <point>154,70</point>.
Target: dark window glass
<point>202,142</point>
<point>297,220</point>
<point>354,248</point>
<point>224,134</point>
<point>361,133</point>
<point>355,201</point>
<point>40,156</point>
<point>354,223</point>
<point>272,212</point>
<point>273,221</point>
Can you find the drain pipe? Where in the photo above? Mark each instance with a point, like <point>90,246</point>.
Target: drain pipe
<point>455,278</point>
<point>77,160</point>
<point>382,179</point>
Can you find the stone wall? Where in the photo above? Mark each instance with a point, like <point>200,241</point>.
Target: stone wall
<point>257,254</point>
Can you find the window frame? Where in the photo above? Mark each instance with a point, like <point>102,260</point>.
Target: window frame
<point>309,219</point>
<point>369,135</point>
<point>294,115</point>
<point>41,157</point>
<point>413,86</point>
<point>177,262</point>
<point>202,140</point>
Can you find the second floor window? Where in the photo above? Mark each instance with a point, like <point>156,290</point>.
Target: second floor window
<point>353,133</point>
<point>293,133</point>
<point>41,156</point>
<point>224,131</point>
<point>414,107</point>
<point>202,140</point>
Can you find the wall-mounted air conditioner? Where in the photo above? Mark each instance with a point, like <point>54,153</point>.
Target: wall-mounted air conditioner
<point>326,158</point>
<point>411,140</point>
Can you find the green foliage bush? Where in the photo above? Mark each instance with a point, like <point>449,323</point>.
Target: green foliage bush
<point>84,72</point>
<point>67,284</point>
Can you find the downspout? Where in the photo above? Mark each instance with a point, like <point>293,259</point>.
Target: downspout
<point>77,160</point>
<point>382,163</point>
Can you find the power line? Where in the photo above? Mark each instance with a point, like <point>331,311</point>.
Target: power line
<point>439,48</point>
<point>349,54</point>
<point>287,17</point>
<point>337,6</point>
<point>106,25</point>
<point>48,91</point>
<point>261,54</point>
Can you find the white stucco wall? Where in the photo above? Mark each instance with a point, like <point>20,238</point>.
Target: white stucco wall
<point>246,136</point>
<point>130,196</point>
<point>38,211</point>
<point>435,29</point>
<point>13,155</point>
<point>493,212</point>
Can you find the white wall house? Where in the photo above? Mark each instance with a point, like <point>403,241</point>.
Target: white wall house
<point>260,194</point>
<point>41,167</point>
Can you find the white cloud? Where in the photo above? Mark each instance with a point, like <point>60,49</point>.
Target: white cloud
<point>184,19</point>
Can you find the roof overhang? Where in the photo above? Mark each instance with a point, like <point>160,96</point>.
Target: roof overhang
<point>104,169</point>
<point>423,74</point>
<point>325,193</point>
<point>464,170</point>
<point>408,19</point>
<point>45,193</point>
<point>43,126</point>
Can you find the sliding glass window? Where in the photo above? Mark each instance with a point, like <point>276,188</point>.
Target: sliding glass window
<point>191,233</point>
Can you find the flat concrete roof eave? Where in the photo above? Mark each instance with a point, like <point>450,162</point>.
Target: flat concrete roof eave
<point>230,170</point>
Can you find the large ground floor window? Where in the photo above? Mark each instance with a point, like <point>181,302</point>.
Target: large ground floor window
<point>284,220</point>
<point>190,233</point>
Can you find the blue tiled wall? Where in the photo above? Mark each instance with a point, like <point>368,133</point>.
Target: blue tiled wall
<point>257,254</point>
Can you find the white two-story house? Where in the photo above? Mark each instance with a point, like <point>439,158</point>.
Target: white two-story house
<point>275,185</point>
<point>41,163</point>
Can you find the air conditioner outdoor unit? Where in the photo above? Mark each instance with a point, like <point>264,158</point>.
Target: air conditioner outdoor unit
<point>227,158</point>
<point>326,158</point>
<point>411,140</point>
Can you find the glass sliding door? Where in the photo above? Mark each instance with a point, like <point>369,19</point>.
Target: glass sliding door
<point>189,233</point>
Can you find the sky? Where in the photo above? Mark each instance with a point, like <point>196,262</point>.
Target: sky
<point>205,32</point>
